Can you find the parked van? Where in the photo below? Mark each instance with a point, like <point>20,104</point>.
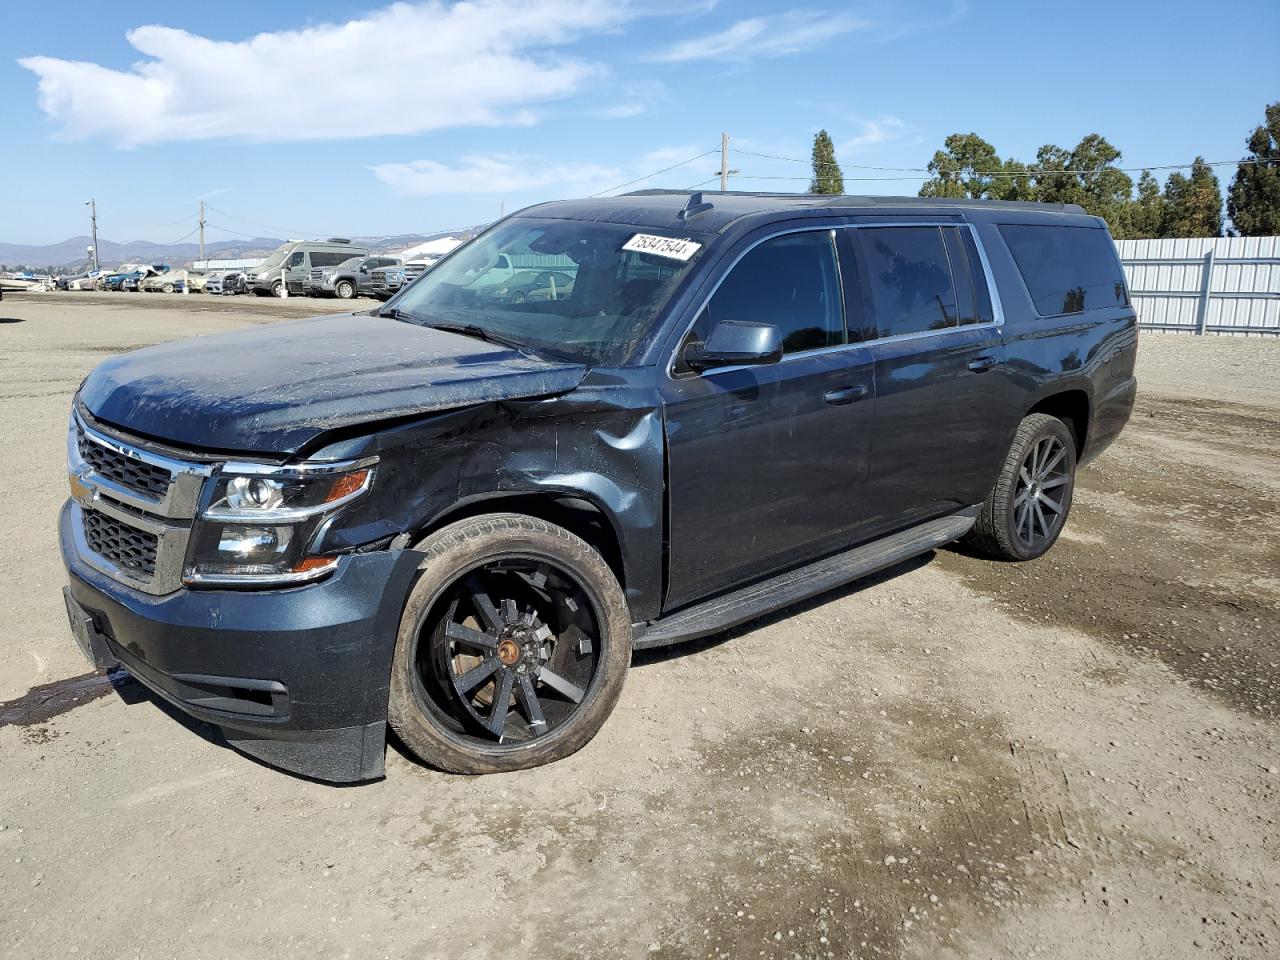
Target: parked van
<point>458,516</point>
<point>293,262</point>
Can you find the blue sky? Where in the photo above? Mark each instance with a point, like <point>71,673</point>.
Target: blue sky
<point>340,118</point>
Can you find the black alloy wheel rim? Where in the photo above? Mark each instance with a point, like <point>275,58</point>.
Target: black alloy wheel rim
<point>508,653</point>
<point>1042,493</point>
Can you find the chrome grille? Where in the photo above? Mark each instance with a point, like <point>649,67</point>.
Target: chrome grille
<point>145,478</point>
<point>135,507</point>
<point>133,550</point>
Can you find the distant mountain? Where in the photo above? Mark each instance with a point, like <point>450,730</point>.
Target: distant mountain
<point>72,253</point>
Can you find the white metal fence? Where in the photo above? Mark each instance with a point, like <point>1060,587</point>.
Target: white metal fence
<point>1205,285</point>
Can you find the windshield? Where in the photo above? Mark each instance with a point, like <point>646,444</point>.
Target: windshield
<point>564,288</point>
<point>277,257</point>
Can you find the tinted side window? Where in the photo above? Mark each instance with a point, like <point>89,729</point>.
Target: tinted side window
<point>910,279</point>
<point>1066,269</point>
<point>972,295</point>
<point>792,282</point>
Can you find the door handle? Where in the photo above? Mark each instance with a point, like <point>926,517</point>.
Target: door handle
<point>838,398</point>
<point>978,364</point>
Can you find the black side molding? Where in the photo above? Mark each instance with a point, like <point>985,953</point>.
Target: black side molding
<point>766,596</point>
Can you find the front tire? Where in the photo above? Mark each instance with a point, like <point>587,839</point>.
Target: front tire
<point>277,289</point>
<point>513,646</point>
<point>345,289</point>
<point>1027,508</point>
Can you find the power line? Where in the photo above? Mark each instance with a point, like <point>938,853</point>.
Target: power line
<point>180,239</point>
<point>655,173</point>
<point>1029,172</point>
<point>268,226</point>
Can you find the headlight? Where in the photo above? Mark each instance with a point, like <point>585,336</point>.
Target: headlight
<point>260,522</point>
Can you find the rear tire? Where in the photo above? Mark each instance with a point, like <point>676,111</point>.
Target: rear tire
<point>523,613</point>
<point>1027,508</point>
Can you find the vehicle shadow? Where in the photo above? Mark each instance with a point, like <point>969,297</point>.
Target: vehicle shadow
<point>645,658</point>
<point>13,319</point>
<point>132,692</point>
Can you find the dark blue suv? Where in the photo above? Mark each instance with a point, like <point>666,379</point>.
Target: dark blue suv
<point>460,515</point>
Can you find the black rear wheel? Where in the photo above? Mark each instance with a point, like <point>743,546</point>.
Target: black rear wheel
<point>512,649</point>
<point>1027,508</point>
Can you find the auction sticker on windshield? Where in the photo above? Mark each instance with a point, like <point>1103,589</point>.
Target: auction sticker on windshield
<point>662,246</point>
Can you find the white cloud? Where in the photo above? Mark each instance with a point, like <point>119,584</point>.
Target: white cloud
<point>408,68</point>
<point>493,173</point>
<point>873,133</point>
<point>508,173</point>
<point>771,36</point>
<point>636,98</point>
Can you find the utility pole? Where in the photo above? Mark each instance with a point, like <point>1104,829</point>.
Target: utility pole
<point>724,162</point>
<point>201,229</point>
<point>93,228</point>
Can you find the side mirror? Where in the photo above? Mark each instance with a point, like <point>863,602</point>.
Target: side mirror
<point>737,343</point>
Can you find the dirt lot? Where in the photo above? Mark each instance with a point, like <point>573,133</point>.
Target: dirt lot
<point>1072,758</point>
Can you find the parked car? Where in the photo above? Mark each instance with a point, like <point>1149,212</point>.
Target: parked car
<point>85,281</point>
<point>459,517</point>
<point>384,282</point>
<point>293,262</point>
<point>532,285</point>
<point>226,282</point>
<point>116,281</point>
<point>348,279</point>
<point>171,281</point>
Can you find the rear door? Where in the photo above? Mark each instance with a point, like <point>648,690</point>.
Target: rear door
<point>766,463</point>
<point>942,387</point>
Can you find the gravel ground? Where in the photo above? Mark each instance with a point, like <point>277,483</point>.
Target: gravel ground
<point>958,758</point>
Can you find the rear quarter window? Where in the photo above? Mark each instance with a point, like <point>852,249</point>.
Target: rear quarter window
<point>1066,269</point>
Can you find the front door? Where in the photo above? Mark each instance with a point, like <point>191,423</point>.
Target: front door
<point>766,463</point>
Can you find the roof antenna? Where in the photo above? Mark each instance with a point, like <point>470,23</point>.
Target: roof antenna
<point>694,207</point>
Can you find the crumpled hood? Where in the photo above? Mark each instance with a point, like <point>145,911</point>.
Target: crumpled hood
<point>273,389</point>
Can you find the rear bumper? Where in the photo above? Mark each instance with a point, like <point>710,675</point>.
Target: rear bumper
<point>295,677</point>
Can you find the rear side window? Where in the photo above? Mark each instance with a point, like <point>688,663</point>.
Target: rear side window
<point>792,282</point>
<point>1066,269</point>
<point>911,283</point>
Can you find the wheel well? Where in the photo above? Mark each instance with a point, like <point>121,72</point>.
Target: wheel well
<point>579,516</point>
<point>1072,408</point>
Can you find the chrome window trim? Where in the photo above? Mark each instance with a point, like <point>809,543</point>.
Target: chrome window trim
<point>997,308</point>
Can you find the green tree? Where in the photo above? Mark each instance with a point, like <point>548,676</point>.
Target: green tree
<point>970,167</point>
<point>1193,205</point>
<point>827,177</point>
<point>1146,215</point>
<point>1086,175</point>
<point>1253,201</point>
<point>963,168</point>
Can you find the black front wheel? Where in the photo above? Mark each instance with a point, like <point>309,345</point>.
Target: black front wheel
<point>513,646</point>
<point>1027,508</point>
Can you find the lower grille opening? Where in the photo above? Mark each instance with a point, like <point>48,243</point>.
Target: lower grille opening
<point>122,545</point>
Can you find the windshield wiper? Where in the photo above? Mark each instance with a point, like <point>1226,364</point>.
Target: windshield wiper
<point>480,333</point>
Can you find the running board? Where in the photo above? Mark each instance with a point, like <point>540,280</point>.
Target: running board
<point>785,589</point>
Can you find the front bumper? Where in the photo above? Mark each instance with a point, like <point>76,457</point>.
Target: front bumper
<point>295,677</point>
